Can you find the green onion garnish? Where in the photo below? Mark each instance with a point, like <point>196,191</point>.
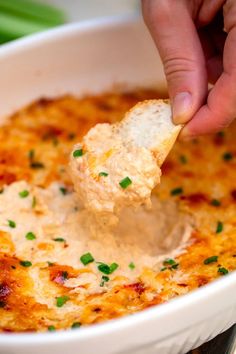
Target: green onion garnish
<point>219,227</point>
<point>24,193</point>
<point>227,156</point>
<point>107,269</point>
<point>31,154</point>
<point>78,153</point>
<point>30,236</point>
<point>34,202</point>
<point>60,301</point>
<point>215,202</point>
<point>59,239</point>
<point>131,265</point>
<point>51,328</point>
<point>26,264</point>
<point>125,182</point>
<point>183,159</point>
<point>76,325</point>
<point>223,271</point>
<point>170,263</point>
<point>63,190</point>
<point>105,279</point>
<point>211,259</point>
<point>86,258</point>
<point>11,223</point>
<point>176,191</point>
<point>103,174</point>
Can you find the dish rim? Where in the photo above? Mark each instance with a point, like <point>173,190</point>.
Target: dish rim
<point>158,312</point>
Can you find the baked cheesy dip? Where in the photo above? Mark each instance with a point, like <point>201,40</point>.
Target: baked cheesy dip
<point>59,271</point>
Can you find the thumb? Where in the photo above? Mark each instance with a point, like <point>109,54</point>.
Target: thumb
<point>176,38</point>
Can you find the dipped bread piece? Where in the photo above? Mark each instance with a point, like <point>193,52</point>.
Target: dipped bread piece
<point>118,165</point>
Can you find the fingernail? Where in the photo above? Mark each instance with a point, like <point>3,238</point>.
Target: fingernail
<point>181,107</point>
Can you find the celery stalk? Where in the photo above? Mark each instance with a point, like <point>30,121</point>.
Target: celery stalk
<point>14,27</point>
<point>32,10</point>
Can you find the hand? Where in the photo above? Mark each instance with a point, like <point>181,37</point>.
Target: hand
<point>196,40</point>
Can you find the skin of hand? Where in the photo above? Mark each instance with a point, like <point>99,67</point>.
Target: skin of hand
<point>196,40</point>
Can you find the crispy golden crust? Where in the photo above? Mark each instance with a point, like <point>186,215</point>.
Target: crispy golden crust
<point>199,174</point>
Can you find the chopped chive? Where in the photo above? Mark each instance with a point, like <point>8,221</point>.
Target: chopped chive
<point>76,325</point>
<point>30,236</point>
<point>176,191</point>
<point>50,264</point>
<point>11,223</point>
<point>103,174</point>
<point>170,263</point>
<point>78,153</point>
<point>24,193</point>
<point>131,265</point>
<point>86,258</point>
<point>60,301</point>
<point>163,268</point>
<point>107,269</point>
<point>219,227</point>
<point>51,328</point>
<point>37,165</point>
<point>223,271</point>
<point>63,190</point>
<point>26,264</point>
<point>34,202</point>
<point>125,182</point>
<point>211,259</point>
<point>1,190</point>
<point>31,154</point>
<point>215,202</point>
<point>227,156</point>
<point>183,159</point>
<point>105,279</point>
<point>59,239</point>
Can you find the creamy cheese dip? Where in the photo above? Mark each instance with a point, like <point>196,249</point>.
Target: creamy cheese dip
<point>110,173</point>
<point>64,231</point>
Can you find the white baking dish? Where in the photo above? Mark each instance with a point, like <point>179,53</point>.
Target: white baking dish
<point>92,57</point>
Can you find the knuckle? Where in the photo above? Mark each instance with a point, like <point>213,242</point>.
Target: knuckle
<point>176,67</point>
<point>157,11</point>
<point>229,11</point>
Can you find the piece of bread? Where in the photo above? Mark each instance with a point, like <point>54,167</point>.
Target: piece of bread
<point>118,164</point>
<point>149,124</point>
